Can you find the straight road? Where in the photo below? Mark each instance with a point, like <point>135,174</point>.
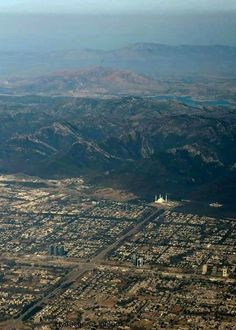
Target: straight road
<point>82,268</point>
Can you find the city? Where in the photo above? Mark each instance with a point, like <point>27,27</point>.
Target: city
<point>70,259</point>
<point>117,165</point>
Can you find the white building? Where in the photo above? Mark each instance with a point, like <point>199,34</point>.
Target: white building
<point>225,272</point>
<point>161,199</point>
<point>204,269</point>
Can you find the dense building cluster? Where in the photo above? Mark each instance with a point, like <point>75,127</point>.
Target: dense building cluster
<point>119,298</point>
<point>41,220</point>
<point>73,261</point>
<point>21,285</point>
<point>184,241</point>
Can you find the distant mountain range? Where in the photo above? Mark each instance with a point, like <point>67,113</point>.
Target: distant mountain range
<point>95,81</point>
<point>144,58</point>
<point>97,113</point>
<point>143,145</point>
<point>103,82</point>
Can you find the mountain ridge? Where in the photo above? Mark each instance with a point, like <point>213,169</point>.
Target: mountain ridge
<point>139,144</point>
<point>143,58</point>
<point>96,80</point>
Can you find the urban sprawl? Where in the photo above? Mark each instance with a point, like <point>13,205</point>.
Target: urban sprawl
<point>72,260</point>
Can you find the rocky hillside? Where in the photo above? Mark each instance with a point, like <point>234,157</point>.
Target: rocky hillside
<point>140,144</point>
<point>95,81</point>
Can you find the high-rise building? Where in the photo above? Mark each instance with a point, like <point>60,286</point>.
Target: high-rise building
<point>225,272</point>
<point>51,250</point>
<point>214,270</point>
<point>56,250</point>
<point>204,269</point>
<point>61,250</point>
<point>139,262</point>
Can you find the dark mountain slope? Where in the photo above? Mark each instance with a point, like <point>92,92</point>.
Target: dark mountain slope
<point>140,144</point>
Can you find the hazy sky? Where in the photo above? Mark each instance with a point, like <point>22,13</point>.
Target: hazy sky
<point>48,25</point>
<point>115,6</point>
